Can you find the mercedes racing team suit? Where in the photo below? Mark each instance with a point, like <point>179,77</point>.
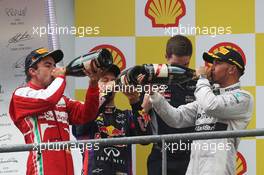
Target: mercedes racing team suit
<point>230,110</point>
<point>44,115</point>
<point>111,123</point>
<point>177,160</point>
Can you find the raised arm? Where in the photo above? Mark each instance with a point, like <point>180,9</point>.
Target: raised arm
<point>80,113</point>
<point>183,116</point>
<point>27,101</point>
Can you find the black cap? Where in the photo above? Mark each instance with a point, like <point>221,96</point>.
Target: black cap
<point>228,55</point>
<point>36,55</point>
<point>114,69</point>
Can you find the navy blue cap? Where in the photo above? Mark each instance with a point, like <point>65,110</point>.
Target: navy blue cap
<point>36,55</point>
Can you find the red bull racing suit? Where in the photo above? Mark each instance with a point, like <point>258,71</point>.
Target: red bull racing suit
<point>228,109</point>
<point>44,115</point>
<point>112,122</point>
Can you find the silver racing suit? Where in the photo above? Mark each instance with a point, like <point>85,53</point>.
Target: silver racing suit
<point>229,109</point>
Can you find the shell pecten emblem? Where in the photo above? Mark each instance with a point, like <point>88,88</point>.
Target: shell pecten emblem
<point>165,13</point>
<point>118,56</point>
<point>241,164</point>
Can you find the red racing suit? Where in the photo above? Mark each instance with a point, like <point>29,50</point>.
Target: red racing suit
<point>44,115</point>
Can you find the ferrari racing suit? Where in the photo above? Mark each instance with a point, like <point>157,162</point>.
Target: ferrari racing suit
<point>44,115</point>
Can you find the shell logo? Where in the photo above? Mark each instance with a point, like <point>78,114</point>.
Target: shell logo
<point>217,47</point>
<point>165,13</point>
<point>118,56</point>
<point>241,164</point>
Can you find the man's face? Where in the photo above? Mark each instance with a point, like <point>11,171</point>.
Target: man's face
<point>220,71</point>
<point>43,72</point>
<point>179,60</point>
<point>106,81</point>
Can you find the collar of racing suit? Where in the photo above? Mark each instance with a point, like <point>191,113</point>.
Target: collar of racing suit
<point>109,109</point>
<point>217,90</point>
<point>33,86</point>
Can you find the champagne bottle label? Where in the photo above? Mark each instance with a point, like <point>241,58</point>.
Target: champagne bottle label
<point>167,74</point>
<point>123,79</point>
<point>160,70</point>
<point>87,64</point>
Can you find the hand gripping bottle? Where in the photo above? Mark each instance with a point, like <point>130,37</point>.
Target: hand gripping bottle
<point>157,74</point>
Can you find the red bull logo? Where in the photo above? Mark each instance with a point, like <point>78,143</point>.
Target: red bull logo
<point>143,119</point>
<point>241,164</point>
<point>144,115</point>
<point>111,131</point>
<point>118,56</point>
<point>165,13</point>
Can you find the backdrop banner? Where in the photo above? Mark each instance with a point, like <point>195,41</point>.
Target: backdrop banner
<point>19,34</point>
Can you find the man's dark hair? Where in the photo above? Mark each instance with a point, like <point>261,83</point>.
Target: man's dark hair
<point>28,76</point>
<point>179,46</point>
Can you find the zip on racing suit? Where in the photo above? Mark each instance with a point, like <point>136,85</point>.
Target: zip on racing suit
<point>44,115</point>
<point>230,110</point>
<point>112,123</point>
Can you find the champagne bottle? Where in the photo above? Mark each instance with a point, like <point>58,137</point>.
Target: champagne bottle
<point>103,59</point>
<point>168,74</point>
<point>154,74</point>
<point>157,74</point>
<point>129,76</point>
